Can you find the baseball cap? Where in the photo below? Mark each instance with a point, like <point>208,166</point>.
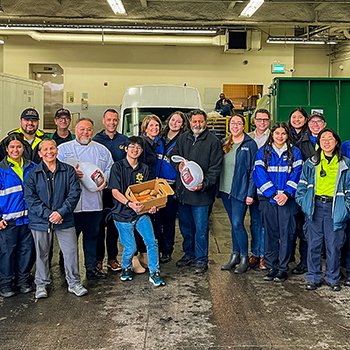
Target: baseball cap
<point>30,113</point>
<point>62,111</point>
<point>318,115</point>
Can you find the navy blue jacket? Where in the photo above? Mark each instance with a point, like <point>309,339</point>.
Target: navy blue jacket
<point>279,176</point>
<point>66,194</point>
<point>115,145</point>
<point>243,185</point>
<point>345,148</point>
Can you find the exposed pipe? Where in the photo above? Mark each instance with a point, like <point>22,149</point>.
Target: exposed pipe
<point>218,40</point>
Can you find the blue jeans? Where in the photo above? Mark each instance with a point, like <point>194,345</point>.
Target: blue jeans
<point>256,230</point>
<point>126,235</point>
<point>236,212</point>
<point>194,227</point>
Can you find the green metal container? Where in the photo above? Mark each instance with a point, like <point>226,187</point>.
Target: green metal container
<point>331,96</point>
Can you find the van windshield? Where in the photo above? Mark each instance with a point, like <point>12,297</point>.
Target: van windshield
<point>138,114</point>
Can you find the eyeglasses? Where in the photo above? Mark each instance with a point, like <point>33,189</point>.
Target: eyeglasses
<point>236,124</point>
<point>314,122</point>
<point>135,147</point>
<point>64,119</point>
<point>262,120</point>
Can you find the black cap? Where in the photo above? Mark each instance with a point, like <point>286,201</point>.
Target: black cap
<point>30,113</point>
<point>318,115</point>
<point>62,111</point>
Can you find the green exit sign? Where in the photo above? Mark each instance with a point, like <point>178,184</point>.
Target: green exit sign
<point>278,68</point>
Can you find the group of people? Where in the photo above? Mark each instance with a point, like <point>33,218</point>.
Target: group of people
<point>293,178</point>
<point>299,176</point>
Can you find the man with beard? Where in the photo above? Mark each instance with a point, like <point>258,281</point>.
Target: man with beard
<point>202,147</point>
<point>88,212</point>
<point>30,135</point>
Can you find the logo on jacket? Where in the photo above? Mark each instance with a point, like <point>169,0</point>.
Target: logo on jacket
<point>139,178</point>
<point>244,148</point>
<point>121,146</point>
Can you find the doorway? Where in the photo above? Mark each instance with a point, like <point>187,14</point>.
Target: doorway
<point>243,97</point>
<point>52,77</point>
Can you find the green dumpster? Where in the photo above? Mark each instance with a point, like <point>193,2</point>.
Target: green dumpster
<point>331,96</point>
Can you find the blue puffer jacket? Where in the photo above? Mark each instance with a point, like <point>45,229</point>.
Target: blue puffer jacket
<point>305,195</point>
<point>164,169</point>
<point>243,185</point>
<point>13,207</point>
<point>66,194</point>
<point>278,177</point>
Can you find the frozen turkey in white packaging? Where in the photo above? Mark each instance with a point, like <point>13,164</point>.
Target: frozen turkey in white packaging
<point>191,174</point>
<point>94,178</point>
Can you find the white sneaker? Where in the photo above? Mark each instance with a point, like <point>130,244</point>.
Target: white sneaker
<point>40,293</point>
<point>78,290</point>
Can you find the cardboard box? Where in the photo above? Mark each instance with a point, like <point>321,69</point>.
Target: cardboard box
<point>160,185</point>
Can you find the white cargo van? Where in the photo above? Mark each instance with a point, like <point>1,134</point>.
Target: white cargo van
<point>161,100</point>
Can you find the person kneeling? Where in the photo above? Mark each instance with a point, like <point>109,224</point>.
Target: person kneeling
<point>124,173</point>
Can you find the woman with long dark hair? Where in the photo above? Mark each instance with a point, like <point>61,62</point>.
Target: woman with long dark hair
<point>16,241</point>
<point>176,124</point>
<point>297,124</point>
<point>237,189</point>
<point>276,174</point>
<point>324,196</point>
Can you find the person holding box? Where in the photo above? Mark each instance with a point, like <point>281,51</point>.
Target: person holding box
<point>129,171</point>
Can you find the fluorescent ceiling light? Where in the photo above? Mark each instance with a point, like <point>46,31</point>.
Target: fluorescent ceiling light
<point>117,6</point>
<point>110,29</point>
<point>251,8</point>
<point>290,40</point>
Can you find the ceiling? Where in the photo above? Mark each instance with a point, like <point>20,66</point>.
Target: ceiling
<point>307,17</point>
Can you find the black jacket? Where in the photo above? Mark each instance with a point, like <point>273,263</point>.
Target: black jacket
<point>29,152</point>
<point>149,155</point>
<point>207,152</point>
<point>66,194</point>
<point>306,146</point>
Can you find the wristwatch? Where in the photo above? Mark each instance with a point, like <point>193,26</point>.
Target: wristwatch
<point>127,203</point>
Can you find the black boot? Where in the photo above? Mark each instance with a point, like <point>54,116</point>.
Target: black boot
<point>232,263</point>
<point>243,265</point>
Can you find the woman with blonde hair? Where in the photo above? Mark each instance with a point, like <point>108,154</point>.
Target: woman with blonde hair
<point>150,128</point>
<point>237,188</point>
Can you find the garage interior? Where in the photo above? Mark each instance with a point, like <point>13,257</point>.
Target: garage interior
<point>95,54</point>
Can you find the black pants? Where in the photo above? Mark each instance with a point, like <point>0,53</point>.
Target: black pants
<point>279,225</point>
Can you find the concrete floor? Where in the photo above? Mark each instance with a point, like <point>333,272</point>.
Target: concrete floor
<point>218,310</point>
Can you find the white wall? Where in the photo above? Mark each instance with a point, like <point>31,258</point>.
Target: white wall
<point>88,66</point>
<point>312,61</point>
